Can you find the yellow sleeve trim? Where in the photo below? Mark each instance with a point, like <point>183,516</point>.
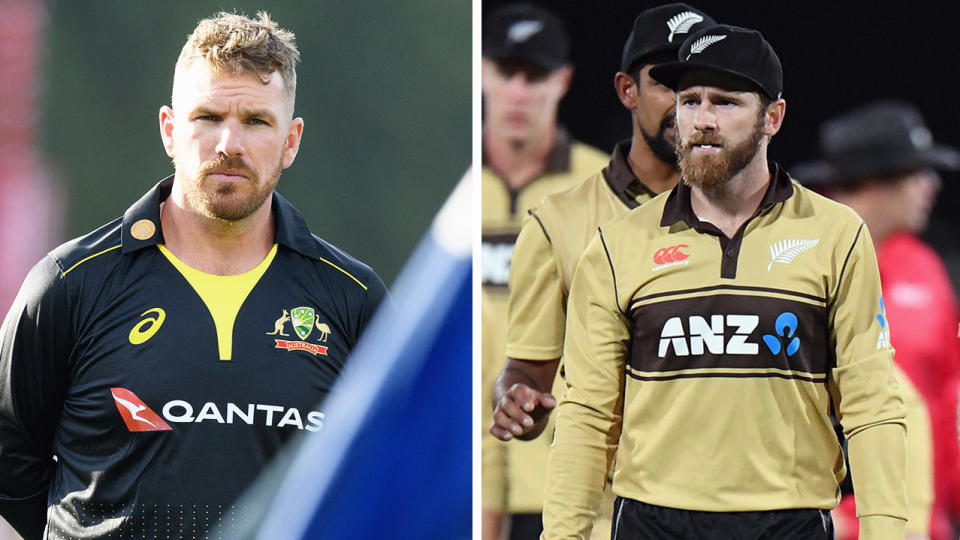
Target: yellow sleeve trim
<point>90,257</point>
<point>345,272</point>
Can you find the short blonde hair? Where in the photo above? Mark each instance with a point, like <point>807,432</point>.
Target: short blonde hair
<point>241,45</point>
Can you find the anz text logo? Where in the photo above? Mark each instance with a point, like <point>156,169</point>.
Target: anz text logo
<point>700,335</point>
<point>726,334</point>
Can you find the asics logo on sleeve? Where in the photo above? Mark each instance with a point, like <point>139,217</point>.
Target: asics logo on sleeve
<point>146,328</point>
<point>135,413</point>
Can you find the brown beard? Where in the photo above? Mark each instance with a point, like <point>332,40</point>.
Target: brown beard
<point>223,203</point>
<point>710,173</point>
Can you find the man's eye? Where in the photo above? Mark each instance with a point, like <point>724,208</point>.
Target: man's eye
<point>207,118</point>
<point>256,122</point>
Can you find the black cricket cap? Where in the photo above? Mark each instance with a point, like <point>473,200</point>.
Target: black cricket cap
<point>526,32</point>
<point>878,140</point>
<point>661,30</point>
<point>731,50</point>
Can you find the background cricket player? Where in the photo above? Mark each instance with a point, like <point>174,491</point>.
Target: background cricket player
<point>881,160</point>
<point>710,332</point>
<point>166,356</point>
<point>526,155</point>
<point>559,227</point>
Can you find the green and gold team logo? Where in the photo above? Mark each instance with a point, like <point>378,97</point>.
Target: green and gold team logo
<point>302,318</point>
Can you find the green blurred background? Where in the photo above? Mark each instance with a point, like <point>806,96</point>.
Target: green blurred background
<point>383,88</point>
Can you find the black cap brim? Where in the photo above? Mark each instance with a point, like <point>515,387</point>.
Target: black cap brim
<point>823,172</point>
<point>544,61</point>
<point>670,73</point>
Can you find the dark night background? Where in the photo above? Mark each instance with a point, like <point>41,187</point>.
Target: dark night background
<point>835,56</point>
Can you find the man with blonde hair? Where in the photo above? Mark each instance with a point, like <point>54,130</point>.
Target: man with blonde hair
<point>151,368</point>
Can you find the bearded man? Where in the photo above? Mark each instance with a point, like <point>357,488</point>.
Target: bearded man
<point>142,386</point>
<point>711,332</point>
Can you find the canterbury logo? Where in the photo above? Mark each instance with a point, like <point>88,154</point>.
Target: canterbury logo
<point>521,31</point>
<point>785,251</point>
<point>135,413</point>
<point>682,22</point>
<point>670,254</point>
<point>701,44</point>
<point>146,328</point>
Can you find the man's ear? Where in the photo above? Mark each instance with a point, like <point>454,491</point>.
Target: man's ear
<point>292,146</point>
<point>626,89</point>
<point>774,117</point>
<point>166,129</point>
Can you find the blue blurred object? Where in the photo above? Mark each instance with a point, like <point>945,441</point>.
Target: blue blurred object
<point>393,459</point>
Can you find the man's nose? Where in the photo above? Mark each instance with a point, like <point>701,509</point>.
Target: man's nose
<point>230,142</point>
<point>705,119</point>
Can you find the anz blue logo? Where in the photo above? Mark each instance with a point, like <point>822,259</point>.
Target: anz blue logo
<point>785,327</point>
<point>883,339</point>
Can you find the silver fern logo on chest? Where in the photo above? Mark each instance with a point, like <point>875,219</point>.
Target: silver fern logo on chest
<point>785,251</point>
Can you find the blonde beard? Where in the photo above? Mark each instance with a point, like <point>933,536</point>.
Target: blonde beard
<point>223,203</point>
<point>711,173</point>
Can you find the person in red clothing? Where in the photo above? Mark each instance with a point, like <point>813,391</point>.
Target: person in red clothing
<point>880,160</point>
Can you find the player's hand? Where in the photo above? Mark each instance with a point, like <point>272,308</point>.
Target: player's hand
<point>521,412</point>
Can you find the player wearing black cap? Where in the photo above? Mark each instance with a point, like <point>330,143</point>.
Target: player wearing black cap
<point>880,159</point>
<point>711,330</point>
<point>559,226</point>
<point>526,155</point>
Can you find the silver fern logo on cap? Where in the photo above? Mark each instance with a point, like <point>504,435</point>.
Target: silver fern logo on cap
<point>785,251</point>
<point>701,44</point>
<point>682,22</point>
<point>522,30</point>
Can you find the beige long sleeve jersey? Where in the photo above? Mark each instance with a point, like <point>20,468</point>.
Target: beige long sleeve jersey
<point>710,366</point>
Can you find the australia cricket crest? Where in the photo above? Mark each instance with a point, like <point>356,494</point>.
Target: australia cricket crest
<point>302,318</point>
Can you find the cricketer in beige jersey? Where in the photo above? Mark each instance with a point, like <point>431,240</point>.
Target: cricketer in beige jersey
<point>551,240</point>
<point>510,478</point>
<point>553,236</point>
<point>710,364</point>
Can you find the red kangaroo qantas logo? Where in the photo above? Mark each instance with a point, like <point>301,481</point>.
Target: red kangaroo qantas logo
<point>670,254</point>
<point>135,412</point>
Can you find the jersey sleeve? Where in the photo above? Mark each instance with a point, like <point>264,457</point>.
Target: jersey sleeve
<point>536,313</point>
<point>35,344</point>
<point>376,296</point>
<point>867,397</point>
<point>919,469</point>
<point>589,417</point>
<point>493,451</point>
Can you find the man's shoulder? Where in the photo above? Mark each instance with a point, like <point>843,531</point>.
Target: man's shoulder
<point>905,255</point>
<point>587,153</point>
<point>806,201</point>
<point>647,217</point>
<point>99,245</point>
<point>337,262</point>
<point>574,198</point>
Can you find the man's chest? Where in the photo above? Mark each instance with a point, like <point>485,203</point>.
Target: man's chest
<point>160,346</point>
